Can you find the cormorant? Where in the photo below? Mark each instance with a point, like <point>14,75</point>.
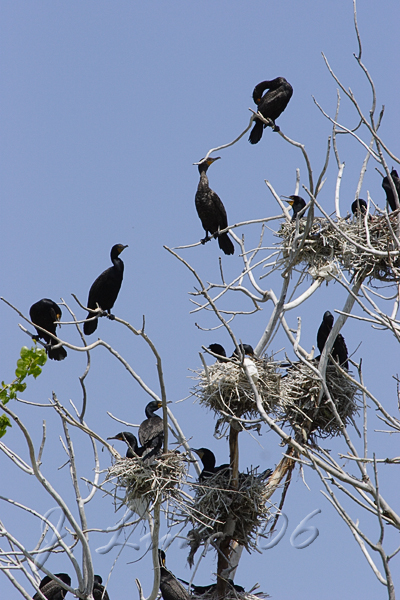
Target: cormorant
<point>386,186</point>
<point>132,443</point>
<point>271,105</point>
<point>359,207</point>
<point>51,589</point>
<point>297,203</point>
<point>151,432</point>
<point>99,593</point>
<point>208,459</point>
<point>248,351</point>
<point>170,587</point>
<point>218,349</point>
<point>211,211</point>
<point>339,348</point>
<point>45,313</point>
<point>105,288</point>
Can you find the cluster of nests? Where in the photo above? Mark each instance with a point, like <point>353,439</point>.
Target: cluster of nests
<point>219,509</point>
<point>145,483</point>
<point>291,397</point>
<point>350,244</point>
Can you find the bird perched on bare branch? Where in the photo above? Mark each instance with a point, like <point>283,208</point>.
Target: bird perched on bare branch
<point>45,313</point>
<point>51,589</point>
<point>105,288</point>
<point>211,211</point>
<point>389,193</point>
<point>271,105</point>
<point>339,348</point>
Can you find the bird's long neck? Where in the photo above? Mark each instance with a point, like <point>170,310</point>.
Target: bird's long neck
<point>203,183</point>
<point>118,264</point>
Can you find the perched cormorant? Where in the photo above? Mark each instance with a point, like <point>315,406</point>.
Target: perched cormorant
<point>51,589</point>
<point>99,593</point>
<point>211,211</point>
<point>132,443</point>
<point>45,313</point>
<point>170,587</point>
<point>297,203</point>
<point>105,288</point>
<point>271,105</point>
<point>218,349</point>
<point>208,459</point>
<point>359,207</point>
<point>386,186</point>
<point>151,432</point>
<point>339,348</point>
<point>200,590</point>
<point>251,367</point>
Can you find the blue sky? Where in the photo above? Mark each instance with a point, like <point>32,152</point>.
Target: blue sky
<point>105,106</point>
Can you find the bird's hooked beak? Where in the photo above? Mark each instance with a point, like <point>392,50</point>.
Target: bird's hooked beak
<point>289,200</point>
<point>208,160</point>
<point>121,248</point>
<point>116,437</point>
<point>198,452</point>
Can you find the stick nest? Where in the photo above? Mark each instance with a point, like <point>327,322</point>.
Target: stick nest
<point>225,389</point>
<point>299,400</point>
<point>238,513</point>
<point>325,244</point>
<point>231,594</point>
<point>164,477</point>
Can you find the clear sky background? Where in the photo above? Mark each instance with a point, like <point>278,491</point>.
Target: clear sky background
<point>105,106</point>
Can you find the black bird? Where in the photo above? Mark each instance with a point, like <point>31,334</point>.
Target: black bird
<point>151,432</point>
<point>339,348</point>
<point>105,288</point>
<point>271,105</point>
<point>386,186</point>
<point>297,203</point>
<point>208,459</point>
<point>211,211</point>
<point>209,589</point>
<point>245,348</point>
<point>46,313</point>
<point>99,593</point>
<point>359,207</point>
<point>170,587</point>
<point>132,443</point>
<point>51,589</point>
<point>218,349</point>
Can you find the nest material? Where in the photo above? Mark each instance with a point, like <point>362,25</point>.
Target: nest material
<point>146,483</point>
<point>225,389</point>
<point>231,594</point>
<point>299,400</point>
<point>219,508</point>
<point>325,244</point>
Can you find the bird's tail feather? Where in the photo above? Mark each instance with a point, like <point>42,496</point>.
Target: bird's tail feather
<point>225,244</point>
<point>256,132</point>
<point>90,327</point>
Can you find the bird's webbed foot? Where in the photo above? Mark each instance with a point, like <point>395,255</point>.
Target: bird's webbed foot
<point>206,239</point>
<point>276,128</point>
<point>111,316</point>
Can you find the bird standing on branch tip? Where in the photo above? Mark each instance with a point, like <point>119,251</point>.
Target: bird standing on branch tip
<point>339,348</point>
<point>297,203</point>
<point>170,587</point>
<point>46,313</point>
<point>105,288</point>
<point>271,105</point>
<point>359,207</point>
<point>208,459</point>
<point>51,589</point>
<point>132,443</point>
<point>151,433</point>
<point>389,193</point>
<point>218,349</point>
<point>211,211</point>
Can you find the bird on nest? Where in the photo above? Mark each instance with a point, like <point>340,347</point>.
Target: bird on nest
<point>297,203</point>
<point>131,441</point>
<point>208,459</point>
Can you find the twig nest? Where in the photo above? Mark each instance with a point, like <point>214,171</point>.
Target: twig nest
<point>326,244</point>
<point>231,594</point>
<point>217,509</point>
<point>225,389</point>
<point>165,477</point>
<point>299,401</point>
